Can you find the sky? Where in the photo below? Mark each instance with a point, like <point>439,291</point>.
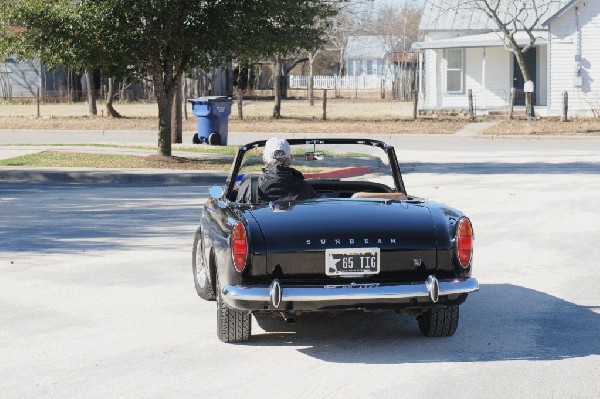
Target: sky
<point>376,4</point>
<point>414,3</point>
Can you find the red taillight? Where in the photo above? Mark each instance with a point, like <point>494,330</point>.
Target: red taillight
<point>239,246</point>
<point>464,242</point>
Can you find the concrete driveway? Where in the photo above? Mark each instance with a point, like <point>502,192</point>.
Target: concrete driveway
<point>98,301</point>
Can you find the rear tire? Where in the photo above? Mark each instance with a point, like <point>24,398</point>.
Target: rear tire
<point>203,278</point>
<point>232,325</point>
<point>439,322</point>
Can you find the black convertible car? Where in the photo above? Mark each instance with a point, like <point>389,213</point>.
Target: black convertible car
<point>363,244</point>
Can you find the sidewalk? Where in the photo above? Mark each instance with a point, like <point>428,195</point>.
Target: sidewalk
<point>466,146</point>
<point>473,129</point>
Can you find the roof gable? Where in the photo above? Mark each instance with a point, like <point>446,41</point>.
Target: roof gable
<point>460,15</point>
<point>369,46</point>
<point>560,12</point>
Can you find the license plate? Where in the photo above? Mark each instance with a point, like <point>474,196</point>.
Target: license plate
<point>349,261</point>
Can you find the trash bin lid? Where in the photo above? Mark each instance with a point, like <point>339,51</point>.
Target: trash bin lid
<point>200,100</point>
<point>209,99</point>
<point>215,99</point>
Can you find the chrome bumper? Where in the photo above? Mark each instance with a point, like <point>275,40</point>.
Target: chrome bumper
<point>275,294</point>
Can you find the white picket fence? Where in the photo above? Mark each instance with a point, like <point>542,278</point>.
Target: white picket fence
<point>364,82</point>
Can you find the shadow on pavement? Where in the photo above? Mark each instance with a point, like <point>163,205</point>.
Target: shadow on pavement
<point>74,218</point>
<point>501,168</point>
<point>500,322</point>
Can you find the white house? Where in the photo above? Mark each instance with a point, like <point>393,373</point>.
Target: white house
<point>370,55</point>
<point>464,51</point>
<point>574,61</point>
<point>20,79</point>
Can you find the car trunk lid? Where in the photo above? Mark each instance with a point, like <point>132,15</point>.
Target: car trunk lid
<point>298,235</point>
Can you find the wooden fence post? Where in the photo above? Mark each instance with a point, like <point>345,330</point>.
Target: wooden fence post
<point>511,103</point>
<point>324,104</point>
<point>415,100</point>
<point>37,101</point>
<point>565,97</point>
<point>239,104</point>
<point>471,111</point>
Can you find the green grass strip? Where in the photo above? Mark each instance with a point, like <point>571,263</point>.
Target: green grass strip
<point>84,160</point>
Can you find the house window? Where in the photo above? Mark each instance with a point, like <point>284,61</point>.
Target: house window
<point>355,68</point>
<point>454,70</point>
<point>360,68</point>
<point>370,67</point>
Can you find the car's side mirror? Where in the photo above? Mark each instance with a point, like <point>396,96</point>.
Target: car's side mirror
<point>216,192</point>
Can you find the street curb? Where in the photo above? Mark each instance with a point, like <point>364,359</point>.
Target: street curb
<point>111,176</point>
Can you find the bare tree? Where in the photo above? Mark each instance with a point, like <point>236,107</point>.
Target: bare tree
<point>512,17</point>
<point>507,17</point>
<point>351,19</point>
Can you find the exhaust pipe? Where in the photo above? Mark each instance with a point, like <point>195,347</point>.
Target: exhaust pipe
<point>433,288</point>
<point>275,293</point>
<point>287,317</point>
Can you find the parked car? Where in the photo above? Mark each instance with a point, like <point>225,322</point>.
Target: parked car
<point>363,244</point>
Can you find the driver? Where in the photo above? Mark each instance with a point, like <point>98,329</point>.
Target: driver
<point>279,181</point>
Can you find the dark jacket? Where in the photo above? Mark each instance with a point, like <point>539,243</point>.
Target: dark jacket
<point>276,183</point>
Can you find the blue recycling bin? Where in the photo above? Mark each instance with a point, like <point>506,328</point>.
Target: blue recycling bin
<point>213,119</point>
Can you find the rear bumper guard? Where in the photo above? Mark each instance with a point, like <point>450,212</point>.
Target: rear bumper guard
<point>275,294</point>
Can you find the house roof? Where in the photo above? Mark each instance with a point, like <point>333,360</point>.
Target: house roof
<point>488,39</point>
<point>460,15</point>
<point>370,46</point>
<point>560,12</point>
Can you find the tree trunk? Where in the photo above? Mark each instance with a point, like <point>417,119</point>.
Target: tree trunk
<point>239,104</point>
<point>164,126</point>
<point>164,87</point>
<point>184,95</point>
<point>176,118</point>
<point>240,95</point>
<point>283,84</point>
<point>277,87</point>
<point>311,79</point>
<point>522,65</point>
<point>110,111</point>
<point>526,78</point>
<point>122,91</point>
<point>91,92</point>
<point>249,78</point>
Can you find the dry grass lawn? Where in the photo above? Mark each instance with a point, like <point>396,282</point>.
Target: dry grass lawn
<point>548,126</point>
<point>343,116</point>
<point>86,160</point>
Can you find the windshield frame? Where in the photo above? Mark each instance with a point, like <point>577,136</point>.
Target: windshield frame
<point>388,149</point>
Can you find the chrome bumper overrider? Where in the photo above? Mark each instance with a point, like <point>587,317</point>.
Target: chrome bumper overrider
<point>431,288</point>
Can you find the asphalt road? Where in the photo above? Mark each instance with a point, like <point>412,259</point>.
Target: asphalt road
<point>98,301</point>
